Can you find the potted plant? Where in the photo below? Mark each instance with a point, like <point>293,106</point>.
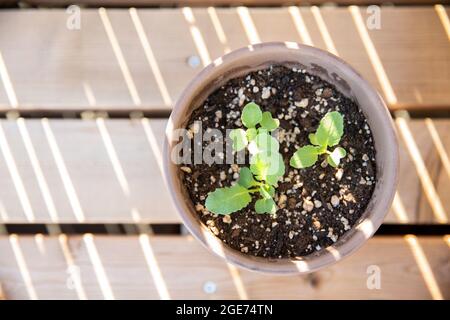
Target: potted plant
<point>280,158</point>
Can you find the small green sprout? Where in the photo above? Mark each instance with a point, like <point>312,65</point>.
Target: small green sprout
<point>266,165</point>
<point>329,133</point>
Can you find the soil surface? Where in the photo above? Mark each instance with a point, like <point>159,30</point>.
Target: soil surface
<point>316,205</point>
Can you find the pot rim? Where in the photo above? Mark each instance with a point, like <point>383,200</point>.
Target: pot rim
<point>348,243</point>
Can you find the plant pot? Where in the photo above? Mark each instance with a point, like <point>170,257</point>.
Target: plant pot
<point>347,81</point>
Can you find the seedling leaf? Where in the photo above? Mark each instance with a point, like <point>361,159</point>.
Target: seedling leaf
<point>228,200</point>
<point>251,134</point>
<point>251,115</point>
<point>279,168</point>
<point>263,165</point>
<point>239,138</point>
<point>268,122</point>
<point>335,157</point>
<point>259,166</point>
<point>265,206</point>
<point>304,157</point>
<point>313,139</point>
<point>270,189</point>
<point>273,179</point>
<point>266,191</point>
<point>267,143</point>
<point>330,129</point>
<point>246,178</point>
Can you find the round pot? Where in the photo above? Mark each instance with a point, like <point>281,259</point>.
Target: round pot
<point>350,83</point>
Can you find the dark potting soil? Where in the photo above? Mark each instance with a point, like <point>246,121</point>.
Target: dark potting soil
<point>316,205</point>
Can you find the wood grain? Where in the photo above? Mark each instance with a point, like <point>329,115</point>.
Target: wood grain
<point>411,190</point>
<point>163,3</point>
<point>53,68</point>
<point>436,168</point>
<point>114,172</point>
<point>125,184</point>
<point>2,295</point>
<point>116,267</point>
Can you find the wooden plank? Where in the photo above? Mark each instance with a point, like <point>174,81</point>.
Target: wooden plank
<point>412,192</point>
<point>104,173</point>
<point>110,172</point>
<point>139,3</point>
<point>51,67</point>
<point>437,166</point>
<point>2,295</point>
<point>97,267</point>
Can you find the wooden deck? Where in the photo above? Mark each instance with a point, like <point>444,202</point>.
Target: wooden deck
<point>94,103</point>
<point>157,267</point>
<point>121,59</point>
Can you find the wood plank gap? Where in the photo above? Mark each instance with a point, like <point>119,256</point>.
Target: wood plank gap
<point>92,228</point>
<point>390,229</point>
<point>148,4</point>
<point>124,113</point>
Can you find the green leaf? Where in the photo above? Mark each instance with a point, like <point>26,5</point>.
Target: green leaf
<point>265,206</point>
<point>266,191</point>
<point>251,134</point>
<point>268,122</point>
<point>263,131</point>
<point>263,165</point>
<point>304,157</point>
<point>273,179</point>
<point>331,129</point>
<point>251,115</point>
<point>228,200</point>
<point>239,138</point>
<point>246,178</point>
<point>278,168</point>
<point>263,143</point>
<point>335,157</point>
<point>267,143</point>
<point>313,139</point>
<point>259,165</point>
<point>331,162</point>
<point>270,190</point>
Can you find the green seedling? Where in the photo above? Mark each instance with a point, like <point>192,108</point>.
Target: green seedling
<point>266,165</point>
<point>328,134</point>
